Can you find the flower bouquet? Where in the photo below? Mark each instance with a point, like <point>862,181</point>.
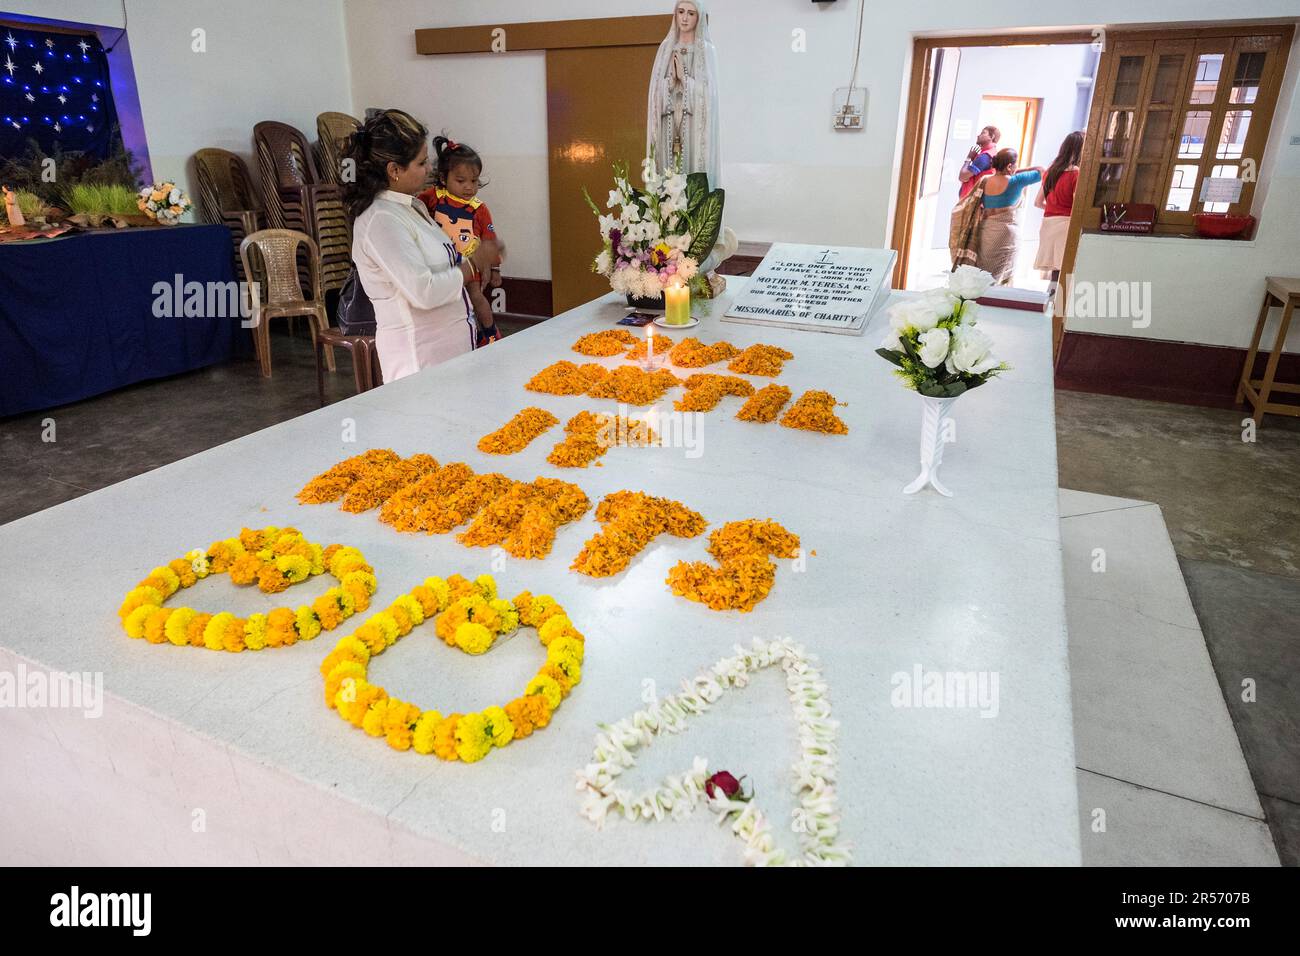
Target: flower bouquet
<point>940,355</point>
<point>934,342</point>
<point>658,235</point>
<point>164,203</point>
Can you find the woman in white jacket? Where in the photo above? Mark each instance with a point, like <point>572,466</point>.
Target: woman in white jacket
<point>407,265</point>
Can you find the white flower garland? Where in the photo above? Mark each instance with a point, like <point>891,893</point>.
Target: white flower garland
<point>816,821</point>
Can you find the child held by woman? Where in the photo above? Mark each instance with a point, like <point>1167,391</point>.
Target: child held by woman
<point>454,204</point>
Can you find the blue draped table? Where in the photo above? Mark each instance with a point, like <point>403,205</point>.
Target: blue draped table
<point>77,312</point>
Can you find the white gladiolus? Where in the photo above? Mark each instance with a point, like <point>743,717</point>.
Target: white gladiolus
<point>615,199</point>
<point>934,347</point>
<point>969,282</point>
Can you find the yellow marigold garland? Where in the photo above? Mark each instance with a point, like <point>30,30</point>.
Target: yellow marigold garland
<point>814,411</point>
<point>765,404</point>
<point>467,615</point>
<point>273,558</point>
<point>631,520</point>
<point>516,434</point>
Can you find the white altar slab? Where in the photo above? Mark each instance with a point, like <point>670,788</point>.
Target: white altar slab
<point>972,583</point>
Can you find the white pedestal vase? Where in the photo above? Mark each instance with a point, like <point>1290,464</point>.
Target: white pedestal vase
<point>934,412</point>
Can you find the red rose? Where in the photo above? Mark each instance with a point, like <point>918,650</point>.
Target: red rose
<point>723,781</point>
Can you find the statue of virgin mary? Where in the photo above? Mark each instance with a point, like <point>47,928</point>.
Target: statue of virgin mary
<point>682,121</point>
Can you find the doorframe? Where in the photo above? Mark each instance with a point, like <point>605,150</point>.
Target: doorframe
<point>916,119</point>
<point>1033,107</point>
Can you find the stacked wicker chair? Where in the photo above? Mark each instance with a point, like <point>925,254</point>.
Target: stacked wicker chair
<point>297,198</point>
<point>227,197</point>
<point>332,130</point>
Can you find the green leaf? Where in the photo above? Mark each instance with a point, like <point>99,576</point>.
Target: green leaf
<point>697,187</point>
<point>706,223</point>
<point>889,355</point>
<point>932,390</point>
<point>909,348</point>
<point>955,389</point>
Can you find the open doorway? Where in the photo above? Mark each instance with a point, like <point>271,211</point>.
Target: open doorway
<point>1032,91</point>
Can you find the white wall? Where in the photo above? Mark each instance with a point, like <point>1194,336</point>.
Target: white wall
<point>788,175</point>
<point>266,59</point>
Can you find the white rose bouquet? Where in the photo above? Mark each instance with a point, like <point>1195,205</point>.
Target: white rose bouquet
<point>164,203</point>
<point>934,342</point>
<point>656,237</point>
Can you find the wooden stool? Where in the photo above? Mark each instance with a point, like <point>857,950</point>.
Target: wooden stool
<point>1286,293</point>
<point>364,360</point>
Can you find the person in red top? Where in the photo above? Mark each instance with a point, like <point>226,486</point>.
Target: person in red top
<point>454,204</point>
<point>1056,199</point>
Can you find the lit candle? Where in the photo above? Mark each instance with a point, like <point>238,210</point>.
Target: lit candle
<point>677,305</point>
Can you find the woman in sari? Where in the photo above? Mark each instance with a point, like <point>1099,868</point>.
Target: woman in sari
<point>999,233</point>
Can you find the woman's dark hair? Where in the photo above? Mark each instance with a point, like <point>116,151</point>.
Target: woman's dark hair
<point>1070,155</point>
<point>451,154</point>
<point>1005,159</point>
<point>390,136</point>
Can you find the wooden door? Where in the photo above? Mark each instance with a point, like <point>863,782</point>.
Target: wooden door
<point>596,116</point>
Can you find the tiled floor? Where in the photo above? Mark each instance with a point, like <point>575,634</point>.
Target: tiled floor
<point>1225,500</point>
<point>109,438</point>
<point>1162,779</point>
<point>1231,508</point>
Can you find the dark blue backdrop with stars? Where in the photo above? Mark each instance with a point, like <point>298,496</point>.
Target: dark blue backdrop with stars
<point>54,88</point>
